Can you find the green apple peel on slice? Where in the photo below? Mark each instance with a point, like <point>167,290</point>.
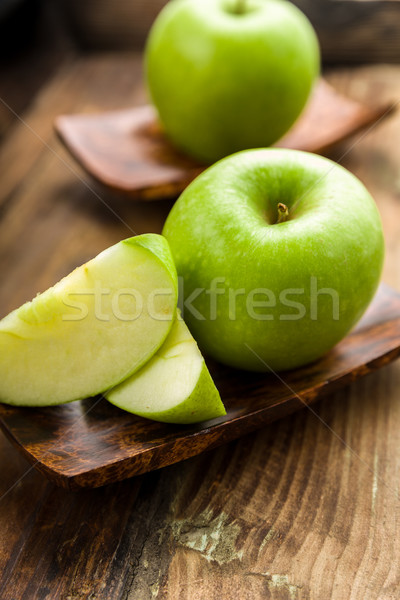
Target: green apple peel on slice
<point>174,386</point>
<point>91,330</point>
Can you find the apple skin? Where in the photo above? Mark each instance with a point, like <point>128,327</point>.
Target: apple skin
<point>224,226</point>
<point>223,82</point>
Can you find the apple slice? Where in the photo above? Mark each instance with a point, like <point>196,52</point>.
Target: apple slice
<point>91,330</point>
<point>174,386</point>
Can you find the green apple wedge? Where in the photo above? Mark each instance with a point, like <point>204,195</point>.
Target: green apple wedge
<point>175,386</point>
<point>93,329</point>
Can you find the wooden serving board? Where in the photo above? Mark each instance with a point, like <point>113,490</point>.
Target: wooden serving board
<point>91,443</point>
<point>126,150</point>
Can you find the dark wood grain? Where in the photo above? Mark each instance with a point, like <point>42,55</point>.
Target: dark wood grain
<point>355,31</point>
<point>351,31</point>
<point>92,443</point>
<point>119,24</point>
<point>305,508</point>
<point>127,151</point>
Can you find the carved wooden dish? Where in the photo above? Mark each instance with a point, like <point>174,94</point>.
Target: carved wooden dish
<point>127,152</point>
<point>91,443</point>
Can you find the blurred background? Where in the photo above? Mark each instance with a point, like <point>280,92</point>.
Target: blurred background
<point>36,36</point>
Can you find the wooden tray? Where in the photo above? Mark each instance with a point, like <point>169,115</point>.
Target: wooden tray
<point>126,150</point>
<point>91,443</point>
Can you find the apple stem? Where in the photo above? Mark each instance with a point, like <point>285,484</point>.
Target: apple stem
<point>240,7</point>
<point>283,213</point>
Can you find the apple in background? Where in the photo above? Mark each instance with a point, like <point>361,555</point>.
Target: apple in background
<point>280,253</point>
<point>92,329</point>
<point>174,386</point>
<point>226,75</point>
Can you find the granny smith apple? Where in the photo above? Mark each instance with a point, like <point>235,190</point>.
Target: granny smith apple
<point>174,386</point>
<point>280,253</point>
<point>92,329</point>
<point>226,75</point>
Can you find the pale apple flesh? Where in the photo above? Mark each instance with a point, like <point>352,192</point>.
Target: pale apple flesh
<point>93,328</point>
<point>175,386</point>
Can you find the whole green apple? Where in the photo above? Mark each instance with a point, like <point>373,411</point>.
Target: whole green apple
<point>280,253</point>
<point>226,75</point>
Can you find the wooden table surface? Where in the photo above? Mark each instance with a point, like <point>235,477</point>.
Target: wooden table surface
<point>307,508</point>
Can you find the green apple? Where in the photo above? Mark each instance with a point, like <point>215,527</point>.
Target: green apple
<point>174,386</point>
<point>92,329</point>
<point>226,75</point>
<point>280,253</point>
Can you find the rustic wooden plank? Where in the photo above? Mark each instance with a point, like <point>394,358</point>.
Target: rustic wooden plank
<point>350,31</point>
<point>294,513</point>
<point>355,31</point>
<point>119,24</point>
<point>65,93</point>
<point>374,156</point>
<point>288,513</point>
<point>76,545</point>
